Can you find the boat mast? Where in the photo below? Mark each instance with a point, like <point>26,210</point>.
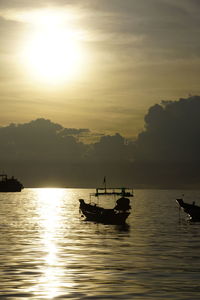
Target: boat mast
<point>104,181</point>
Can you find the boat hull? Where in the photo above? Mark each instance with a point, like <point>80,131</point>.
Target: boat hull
<point>191,209</point>
<point>9,190</point>
<point>101,215</point>
<point>10,185</point>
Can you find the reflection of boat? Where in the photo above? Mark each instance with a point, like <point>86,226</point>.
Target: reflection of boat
<point>116,215</point>
<point>10,184</point>
<point>191,209</point>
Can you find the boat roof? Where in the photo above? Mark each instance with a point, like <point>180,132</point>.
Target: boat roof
<point>124,192</point>
<point>3,175</point>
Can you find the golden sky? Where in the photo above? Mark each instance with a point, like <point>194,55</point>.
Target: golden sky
<point>96,64</point>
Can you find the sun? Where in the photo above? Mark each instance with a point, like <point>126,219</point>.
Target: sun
<point>53,53</point>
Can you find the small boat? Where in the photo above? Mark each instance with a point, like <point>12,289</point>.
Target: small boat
<point>9,184</point>
<point>116,215</point>
<point>192,210</point>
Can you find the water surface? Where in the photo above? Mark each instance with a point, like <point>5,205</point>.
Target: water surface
<point>48,252</point>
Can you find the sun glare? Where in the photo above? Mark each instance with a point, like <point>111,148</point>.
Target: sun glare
<point>49,208</point>
<point>53,53</point>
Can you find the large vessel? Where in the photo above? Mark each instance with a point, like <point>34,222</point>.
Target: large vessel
<point>9,184</point>
<point>116,215</point>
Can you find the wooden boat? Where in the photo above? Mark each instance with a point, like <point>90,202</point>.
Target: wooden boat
<point>116,215</point>
<point>192,210</point>
<point>9,184</point>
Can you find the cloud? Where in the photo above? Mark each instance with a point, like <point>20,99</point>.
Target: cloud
<point>172,132</point>
<point>134,30</point>
<point>168,149</point>
<point>38,141</point>
<point>165,154</point>
<point>110,149</point>
<point>75,131</point>
<point>42,153</point>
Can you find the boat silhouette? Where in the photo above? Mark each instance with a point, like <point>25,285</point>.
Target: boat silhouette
<point>116,215</point>
<point>192,210</point>
<point>10,184</point>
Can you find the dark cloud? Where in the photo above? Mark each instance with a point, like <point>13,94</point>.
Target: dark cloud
<point>172,132</point>
<point>46,153</point>
<point>165,154</point>
<point>38,141</point>
<point>110,149</point>
<point>167,151</point>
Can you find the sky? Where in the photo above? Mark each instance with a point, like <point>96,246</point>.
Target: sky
<point>96,65</point>
<point>100,88</point>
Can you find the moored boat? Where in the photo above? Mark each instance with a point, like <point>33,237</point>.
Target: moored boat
<point>116,215</point>
<point>10,184</point>
<point>192,210</point>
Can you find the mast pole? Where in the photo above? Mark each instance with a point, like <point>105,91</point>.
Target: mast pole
<point>104,181</point>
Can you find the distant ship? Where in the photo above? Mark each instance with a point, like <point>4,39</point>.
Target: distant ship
<point>9,184</point>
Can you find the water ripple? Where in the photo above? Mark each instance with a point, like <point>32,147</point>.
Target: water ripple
<point>48,252</point>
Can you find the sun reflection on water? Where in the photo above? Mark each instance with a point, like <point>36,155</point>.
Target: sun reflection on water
<point>50,205</point>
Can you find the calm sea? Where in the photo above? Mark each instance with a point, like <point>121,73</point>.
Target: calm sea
<point>48,252</point>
